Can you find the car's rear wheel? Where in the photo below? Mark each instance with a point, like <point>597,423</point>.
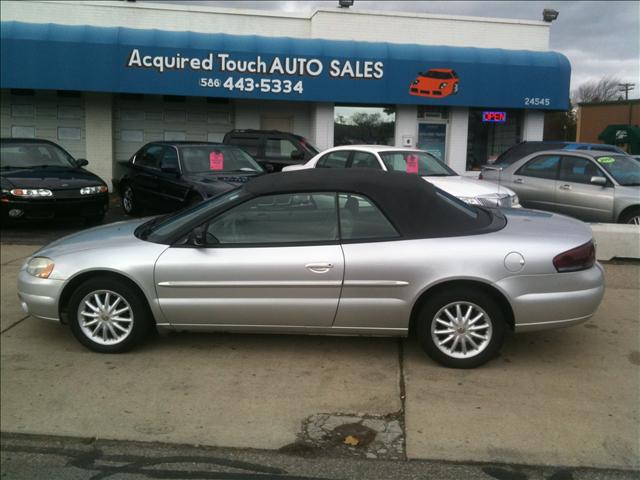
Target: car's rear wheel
<point>461,327</point>
<point>128,201</point>
<point>631,216</point>
<point>108,315</point>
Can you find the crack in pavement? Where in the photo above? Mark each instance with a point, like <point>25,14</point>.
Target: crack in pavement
<point>13,325</point>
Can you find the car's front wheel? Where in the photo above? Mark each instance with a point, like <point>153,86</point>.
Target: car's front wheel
<point>108,315</point>
<point>461,327</point>
<point>631,216</point>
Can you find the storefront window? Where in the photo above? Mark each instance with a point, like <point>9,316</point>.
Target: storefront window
<point>354,125</point>
<point>491,132</point>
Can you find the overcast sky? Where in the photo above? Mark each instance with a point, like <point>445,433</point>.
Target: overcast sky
<point>599,38</point>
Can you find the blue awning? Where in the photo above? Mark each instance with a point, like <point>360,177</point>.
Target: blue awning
<point>125,60</point>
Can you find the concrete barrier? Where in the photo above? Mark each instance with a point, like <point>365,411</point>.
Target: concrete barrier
<point>616,240</point>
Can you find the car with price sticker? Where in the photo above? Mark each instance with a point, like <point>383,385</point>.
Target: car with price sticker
<point>591,185</point>
<point>419,162</point>
<point>168,176</point>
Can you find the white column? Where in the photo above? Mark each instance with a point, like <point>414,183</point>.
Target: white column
<point>457,139</point>
<point>98,119</point>
<point>533,127</point>
<point>322,125</point>
<point>406,129</point>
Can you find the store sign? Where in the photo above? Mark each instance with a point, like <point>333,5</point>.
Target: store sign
<point>85,58</point>
<point>494,117</point>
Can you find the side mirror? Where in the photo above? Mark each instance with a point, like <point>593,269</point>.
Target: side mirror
<point>297,155</point>
<point>197,237</point>
<point>598,181</point>
<point>168,167</point>
<point>82,162</point>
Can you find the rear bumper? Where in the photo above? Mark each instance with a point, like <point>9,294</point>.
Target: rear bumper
<point>541,302</point>
<point>55,208</point>
<point>39,296</point>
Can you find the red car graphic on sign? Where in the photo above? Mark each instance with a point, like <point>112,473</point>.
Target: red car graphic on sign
<point>435,83</point>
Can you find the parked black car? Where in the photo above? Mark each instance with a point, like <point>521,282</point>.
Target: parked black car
<point>271,148</point>
<point>523,149</point>
<point>167,176</point>
<point>41,180</point>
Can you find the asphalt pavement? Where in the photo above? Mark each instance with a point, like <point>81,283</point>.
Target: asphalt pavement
<point>558,401</point>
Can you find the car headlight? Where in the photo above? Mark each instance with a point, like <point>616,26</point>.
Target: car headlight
<point>31,192</point>
<point>515,201</point>
<point>442,85</point>
<point>471,200</point>
<point>40,267</point>
<point>93,190</point>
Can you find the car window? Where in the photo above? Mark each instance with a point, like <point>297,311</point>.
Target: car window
<point>360,219</point>
<point>577,170</point>
<point>365,160</point>
<point>249,144</point>
<point>149,157</point>
<point>29,155</point>
<point>623,168</point>
<point>170,157</point>
<point>422,163</point>
<point>217,158</point>
<point>336,159</point>
<point>544,166</point>
<point>279,148</point>
<point>521,150</point>
<point>276,219</point>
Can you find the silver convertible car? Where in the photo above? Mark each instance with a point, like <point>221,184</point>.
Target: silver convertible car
<point>354,252</point>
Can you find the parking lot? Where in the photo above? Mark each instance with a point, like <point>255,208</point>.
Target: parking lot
<point>563,397</point>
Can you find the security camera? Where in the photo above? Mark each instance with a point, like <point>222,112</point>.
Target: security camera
<point>549,15</point>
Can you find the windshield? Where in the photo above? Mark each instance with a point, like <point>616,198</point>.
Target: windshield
<point>159,228</point>
<point>623,168</point>
<point>306,144</point>
<point>30,155</point>
<point>427,164</point>
<point>439,75</point>
<point>216,158</point>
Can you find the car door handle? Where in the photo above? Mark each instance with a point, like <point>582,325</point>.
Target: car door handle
<point>319,267</point>
<point>566,186</point>
<point>518,180</point>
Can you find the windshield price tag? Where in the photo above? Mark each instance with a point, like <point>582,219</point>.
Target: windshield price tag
<point>412,164</point>
<point>216,161</point>
<point>606,160</point>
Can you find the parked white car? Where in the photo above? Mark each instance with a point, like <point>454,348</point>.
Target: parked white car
<point>410,160</point>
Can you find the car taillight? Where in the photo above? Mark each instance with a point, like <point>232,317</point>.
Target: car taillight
<point>480,177</point>
<point>579,258</point>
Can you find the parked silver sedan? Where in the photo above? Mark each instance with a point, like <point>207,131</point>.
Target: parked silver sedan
<point>351,252</point>
<point>594,186</point>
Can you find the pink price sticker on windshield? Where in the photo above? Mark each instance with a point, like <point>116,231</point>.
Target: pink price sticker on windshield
<point>216,161</point>
<point>412,164</point>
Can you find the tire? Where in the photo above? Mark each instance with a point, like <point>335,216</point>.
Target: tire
<point>110,335</point>
<point>631,216</point>
<point>128,201</point>
<point>490,323</point>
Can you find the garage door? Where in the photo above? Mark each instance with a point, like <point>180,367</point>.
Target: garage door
<point>50,115</point>
<point>139,119</point>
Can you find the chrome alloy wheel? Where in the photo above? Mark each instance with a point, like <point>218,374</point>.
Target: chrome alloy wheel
<point>105,317</point>
<point>461,329</point>
<point>127,200</point>
<point>635,220</point>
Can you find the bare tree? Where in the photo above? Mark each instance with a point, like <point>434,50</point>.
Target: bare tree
<point>603,90</point>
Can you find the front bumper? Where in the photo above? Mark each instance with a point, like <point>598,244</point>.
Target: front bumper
<point>541,302</point>
<point>51,207</point>
<point>39,296</point>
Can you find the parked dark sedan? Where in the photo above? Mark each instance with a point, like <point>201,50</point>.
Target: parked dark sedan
<point>41,180</point>
<point>168,176</point>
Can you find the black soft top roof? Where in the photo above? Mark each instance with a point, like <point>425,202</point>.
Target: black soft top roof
<point>415,207</point>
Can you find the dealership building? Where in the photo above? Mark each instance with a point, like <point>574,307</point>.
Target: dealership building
<point>104,78</point>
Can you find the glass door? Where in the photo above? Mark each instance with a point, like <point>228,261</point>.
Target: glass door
<point>432,137</point>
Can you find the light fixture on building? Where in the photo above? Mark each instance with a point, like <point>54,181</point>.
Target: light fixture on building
<point>549,15</point>
<point>345,3</point>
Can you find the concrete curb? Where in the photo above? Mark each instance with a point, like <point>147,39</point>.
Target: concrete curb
<point>616,240</point>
